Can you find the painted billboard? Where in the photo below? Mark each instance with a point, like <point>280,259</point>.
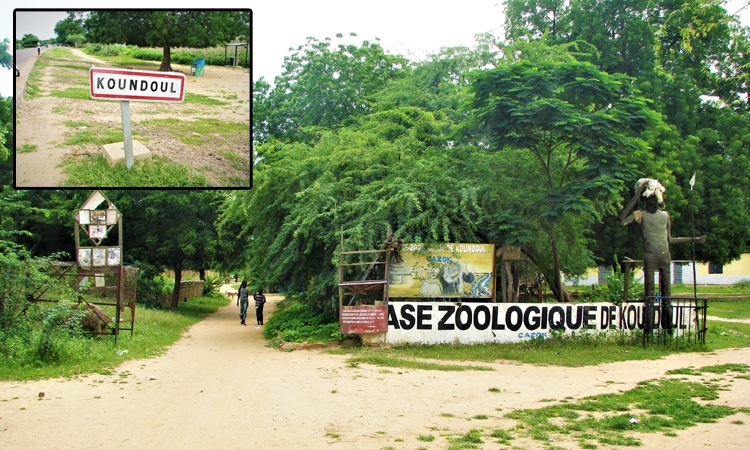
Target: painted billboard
<point>443,271</point>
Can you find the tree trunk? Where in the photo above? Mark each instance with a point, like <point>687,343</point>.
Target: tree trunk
<point>177,280</point>
<point>557,287</point>
<point>166,61</point>
<point>202,274</point>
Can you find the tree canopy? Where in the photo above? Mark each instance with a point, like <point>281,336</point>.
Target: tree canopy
<point>167,29</point>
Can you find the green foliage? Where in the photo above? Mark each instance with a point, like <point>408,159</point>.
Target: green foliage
<point>211,284</point>
<point>298,323</point>
<point>198,29</point>
<point>6,59</point>
<point>614,289</point>
<point>156,330</point>
<point>153,172</point>
<point>669,406</point>
<point>29,40</point>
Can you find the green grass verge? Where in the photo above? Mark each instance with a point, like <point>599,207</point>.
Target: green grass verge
<point>73,92</point>
<point>155,330</point>
<point>154,172</point>
<point>567,351</point>
<point>34,79</point>
<point>729,309</point>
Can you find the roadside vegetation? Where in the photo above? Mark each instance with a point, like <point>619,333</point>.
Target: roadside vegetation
<point>119,54</point>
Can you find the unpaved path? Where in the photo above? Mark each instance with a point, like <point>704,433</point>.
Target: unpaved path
<point>221,387</point>
<point>46,121</point>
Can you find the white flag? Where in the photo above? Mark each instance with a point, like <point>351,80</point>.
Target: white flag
<point>692,181</point>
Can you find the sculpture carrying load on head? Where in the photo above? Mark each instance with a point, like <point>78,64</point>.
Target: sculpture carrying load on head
<point>656,229</point>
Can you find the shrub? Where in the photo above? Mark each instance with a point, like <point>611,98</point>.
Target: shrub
<point>613,291</point>
<point>298,323</point>
<point>211,284</point>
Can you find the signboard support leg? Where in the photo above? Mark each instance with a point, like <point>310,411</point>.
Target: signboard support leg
<point>127,135</point>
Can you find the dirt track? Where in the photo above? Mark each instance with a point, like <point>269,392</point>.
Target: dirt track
<point>221,387</point>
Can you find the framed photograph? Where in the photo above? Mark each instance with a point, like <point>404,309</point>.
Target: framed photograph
<point>99,280</point>
<point>100,257</point>
<point>98,217</point>
<point>113,256</point>
<point>84,257</point>
<point>83,217</point>
<point>97,231</point>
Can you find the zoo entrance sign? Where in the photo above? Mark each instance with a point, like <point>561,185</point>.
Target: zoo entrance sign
<point>139,85</point>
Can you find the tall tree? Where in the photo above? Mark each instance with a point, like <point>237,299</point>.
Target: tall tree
<point>581,125</point>
<point>73,24</point>
<point>167,29</point>
<point>322,86</point>
<point>169,229</point>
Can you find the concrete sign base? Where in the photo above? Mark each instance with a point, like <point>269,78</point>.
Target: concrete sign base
<point>115,153</point>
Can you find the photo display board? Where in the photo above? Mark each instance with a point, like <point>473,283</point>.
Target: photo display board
<point>443,271</point>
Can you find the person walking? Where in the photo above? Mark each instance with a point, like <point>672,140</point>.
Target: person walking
<point>242,301</point>
<point>38,49</point>
<point>260,300</point>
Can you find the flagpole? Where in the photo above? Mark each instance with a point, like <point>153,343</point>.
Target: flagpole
<point>692,235</point>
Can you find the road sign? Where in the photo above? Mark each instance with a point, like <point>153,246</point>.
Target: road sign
<point>139,85</point>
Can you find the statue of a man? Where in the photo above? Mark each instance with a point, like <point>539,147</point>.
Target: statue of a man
<point>656,228</point>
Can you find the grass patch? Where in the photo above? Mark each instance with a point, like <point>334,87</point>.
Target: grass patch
<point>201,99</point>
<point>27,148</point>
<point>34,79</point>
<point>62,109</point>
<point>200,131</point>
<point>155,172</point>
<point>93,134</point>
<point>73,92</point>
<point>669,405</point>
<point>155,330</point>
<point>426,438</point>
<point>718,369</point>
<point>385,359</point>
<point>730,309</point>
<point>472,439</point>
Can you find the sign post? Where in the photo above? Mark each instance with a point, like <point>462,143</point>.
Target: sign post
<point>139,85</point>
<point>127,135</point>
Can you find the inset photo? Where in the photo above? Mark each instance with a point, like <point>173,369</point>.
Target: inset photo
<point>106,101</point>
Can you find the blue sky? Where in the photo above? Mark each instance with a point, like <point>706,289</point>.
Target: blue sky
<point>409,27</point>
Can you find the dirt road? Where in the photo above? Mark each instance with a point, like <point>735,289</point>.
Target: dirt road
<point>221,387</point>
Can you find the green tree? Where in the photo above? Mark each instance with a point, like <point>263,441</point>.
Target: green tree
<point>167,29</point>
<point>75,39</point>
<point>73,24</point>
<point>29,40</point>
<point>6,59</point>
<point>581,125</point>
<point>169,229</point>
<point>389,170</point>
<point>323,87</point>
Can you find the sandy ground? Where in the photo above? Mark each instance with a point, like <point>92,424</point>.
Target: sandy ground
<point>221,387</point>
<point>40,122</point>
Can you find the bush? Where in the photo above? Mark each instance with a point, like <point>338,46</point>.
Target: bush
<point>147,54</point>
<point>153,291</point>
<point>298,323</point>
<point>613,291</point>
<point>211,284</point>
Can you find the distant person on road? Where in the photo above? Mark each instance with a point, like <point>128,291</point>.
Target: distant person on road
<point>38,49</point>
<point>260,299</point>
<point>242,301</point>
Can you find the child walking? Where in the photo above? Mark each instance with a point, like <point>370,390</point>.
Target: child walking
<point>260,299</point>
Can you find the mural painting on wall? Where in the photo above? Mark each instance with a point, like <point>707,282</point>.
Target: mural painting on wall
<point>443,270</point>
